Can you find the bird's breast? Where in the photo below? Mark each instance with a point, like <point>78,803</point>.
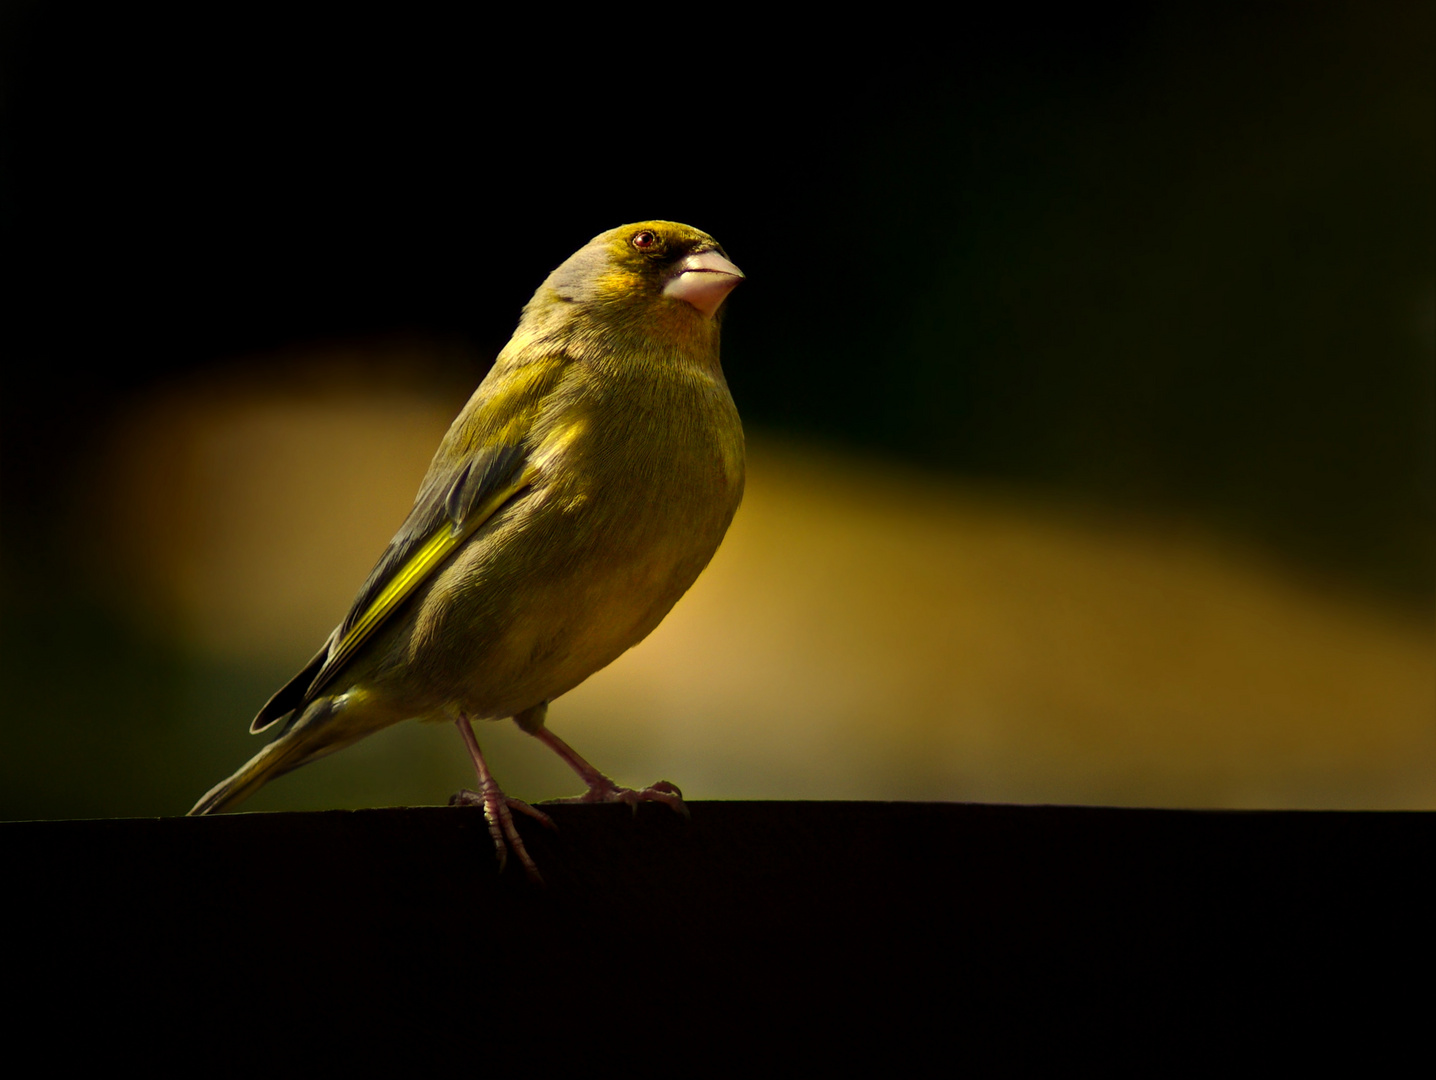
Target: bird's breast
<point>628,506</point>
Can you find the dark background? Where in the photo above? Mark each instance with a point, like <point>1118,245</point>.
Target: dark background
<point>1162,252</point>
<point>1175,257</point>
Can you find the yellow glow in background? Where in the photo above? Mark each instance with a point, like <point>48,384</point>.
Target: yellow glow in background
<point>865,631</point>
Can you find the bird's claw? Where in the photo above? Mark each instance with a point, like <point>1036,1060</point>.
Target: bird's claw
<point>498,809</point>
<point>606,791</point>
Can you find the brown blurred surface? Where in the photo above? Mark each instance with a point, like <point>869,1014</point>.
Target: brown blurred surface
<point>866,631</point>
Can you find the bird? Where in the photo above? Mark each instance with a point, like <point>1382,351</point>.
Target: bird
<point>575,498</point>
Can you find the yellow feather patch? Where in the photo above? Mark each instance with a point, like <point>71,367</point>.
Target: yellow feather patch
<point>517,399</point>
<point>561,439</point>
<point>619,282</point>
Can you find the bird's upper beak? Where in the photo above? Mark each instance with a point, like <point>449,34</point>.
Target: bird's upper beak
<point>703,279</point>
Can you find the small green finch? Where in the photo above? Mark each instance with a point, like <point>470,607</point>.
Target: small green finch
<point>576,497</point>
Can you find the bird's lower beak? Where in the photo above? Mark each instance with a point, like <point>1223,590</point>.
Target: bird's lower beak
<point>703,279</point>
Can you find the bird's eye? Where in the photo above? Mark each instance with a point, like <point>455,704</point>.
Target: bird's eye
<point>647,242</point>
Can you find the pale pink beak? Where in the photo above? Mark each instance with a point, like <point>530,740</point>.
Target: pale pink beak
<point>703,279</point>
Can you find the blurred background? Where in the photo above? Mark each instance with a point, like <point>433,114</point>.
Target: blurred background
<point>1088,365</point>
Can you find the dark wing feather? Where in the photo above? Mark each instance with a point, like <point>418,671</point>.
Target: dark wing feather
<point>448,510</point>
<point>292,694</point>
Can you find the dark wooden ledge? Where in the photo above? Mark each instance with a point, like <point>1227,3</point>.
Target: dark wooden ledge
<point>798,920</point>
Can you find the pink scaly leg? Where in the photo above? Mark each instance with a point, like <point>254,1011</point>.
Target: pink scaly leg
<point>601,788</point>
<point>497,806</point>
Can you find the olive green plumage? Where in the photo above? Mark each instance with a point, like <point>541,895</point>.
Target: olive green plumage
<point>576,497</point>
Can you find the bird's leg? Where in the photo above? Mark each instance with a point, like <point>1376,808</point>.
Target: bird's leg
<point>497,805</point>
<point>600,787</point>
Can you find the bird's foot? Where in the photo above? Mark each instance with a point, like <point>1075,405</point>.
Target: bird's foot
<point>498,809</point>
<point>603,790</point>
<point>600,788</point>
<point>497,806</point>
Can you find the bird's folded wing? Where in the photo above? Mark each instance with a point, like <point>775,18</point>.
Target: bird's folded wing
<point>449,510</point>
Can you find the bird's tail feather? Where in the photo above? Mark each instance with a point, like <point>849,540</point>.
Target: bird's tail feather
<point>313,735</point>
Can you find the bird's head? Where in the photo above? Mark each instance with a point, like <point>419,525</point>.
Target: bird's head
<point>660,268</point>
